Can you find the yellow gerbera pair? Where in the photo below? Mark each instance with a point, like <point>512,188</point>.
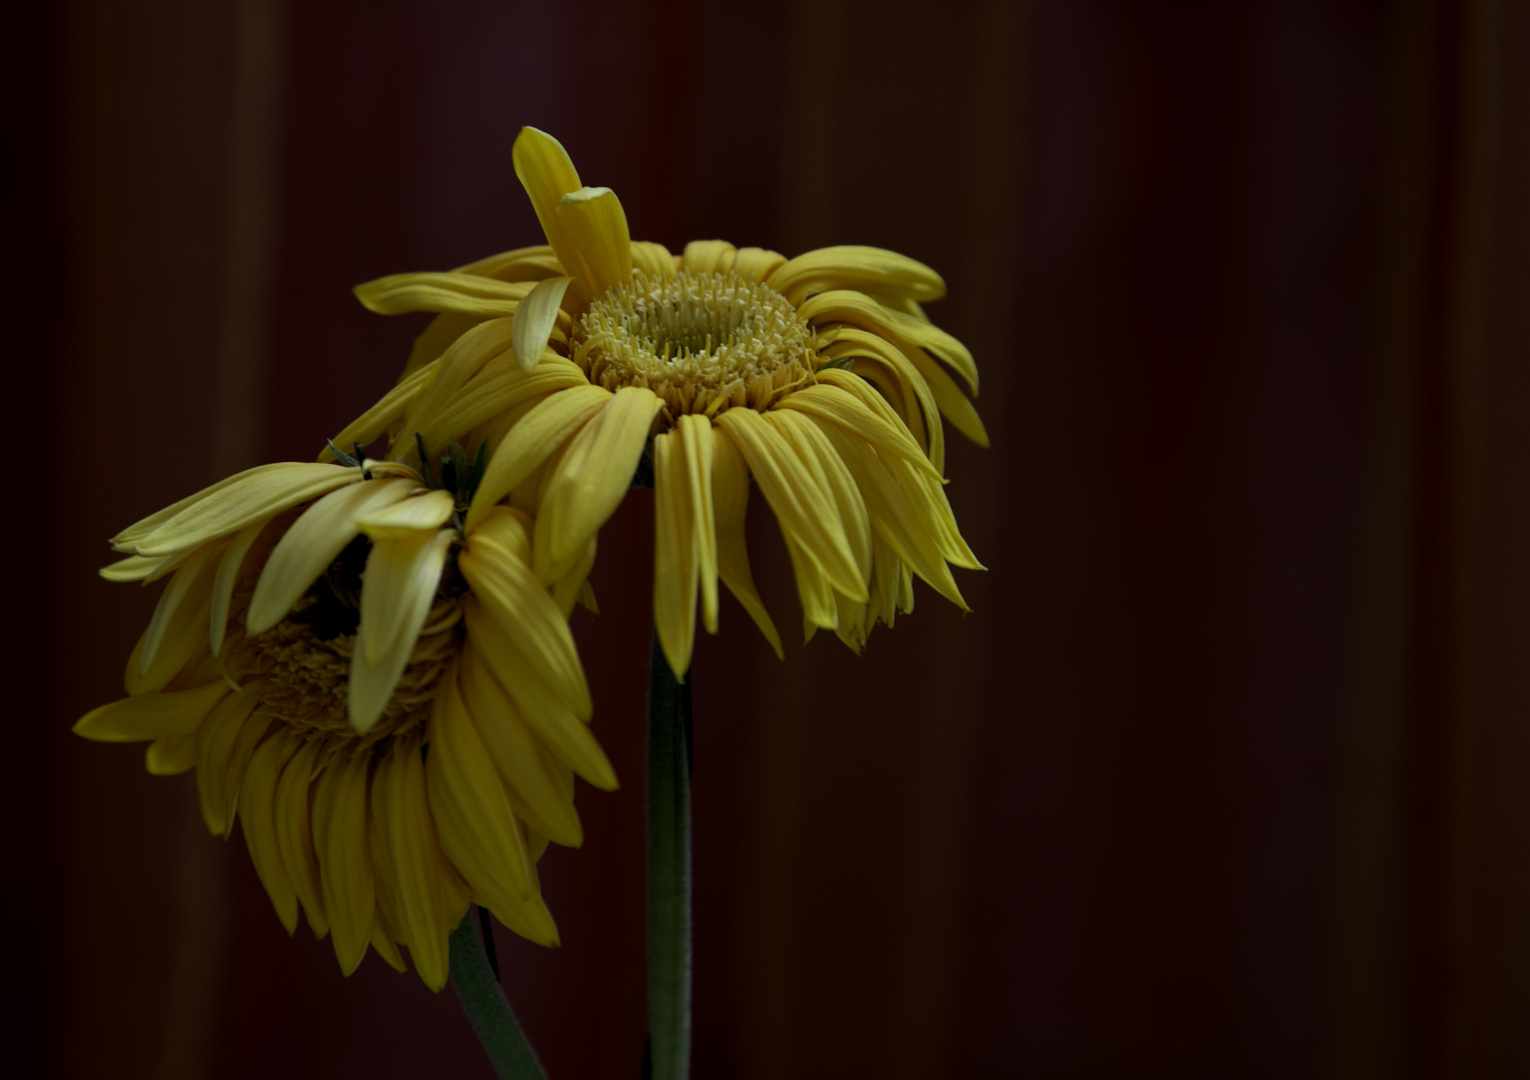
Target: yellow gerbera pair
<point>368,661</point>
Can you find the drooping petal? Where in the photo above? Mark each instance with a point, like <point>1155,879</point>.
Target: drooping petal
<point>501,394</point>
<point>512,597</point>
<point>592,479</point>
<point>907,332</point>
<point>223,584</point>
<point>594,220</point>
<point>462,360</point>
<point>189,590</point>
<point>528,444</point>
<point>546,172</point>
<point>257,813</point>
<point>804,509</point>
<point>314,541</point>
<point>536,263</point>
<point>820,458</point>
<point>535,319</point>
<point>478,830</point>
<point>252,496</point>
<point>730,500</point>
<point>869,353</point>
<point>462,294</point>
<point>152,716</point>
<point>829,402</point>
<point>567,737</point>
<point>396,594</point>
<point>873,271</point>
<point>294,835</point>
<point>401,807</point>
<point>218,745</point>
<point>695,434</point>
<point>674,560</point>
<point>538,786</point>
<point>344,852</point>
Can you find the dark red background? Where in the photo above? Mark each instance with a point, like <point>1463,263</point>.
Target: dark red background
<point>1225,773</point>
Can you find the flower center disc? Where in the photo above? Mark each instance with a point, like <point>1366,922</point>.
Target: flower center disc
<point>703,342</point>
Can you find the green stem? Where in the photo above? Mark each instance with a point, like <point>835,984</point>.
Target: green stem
<point>669,869</point>
<point>487,1010</point>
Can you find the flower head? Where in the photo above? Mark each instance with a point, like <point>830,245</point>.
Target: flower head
<point>820,376</point>
<point>388,700</point>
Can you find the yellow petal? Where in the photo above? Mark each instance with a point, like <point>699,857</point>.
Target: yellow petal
<point>344,853</point>
<point>535,318</point>
<point>138,568</point>
<point>372,424</point>
<point>953,404</point>
<point>256,495</point>
<point>501,393</point>
<point>805,510</point>
<point>546,172</point>
<point>462,294</point>
<point>907,332</point>
<point>709,256</point>
<point>403,811</point>
<point>223,584</point>
<point>478,831</point>
<point>463,359</point>
<point>396,594</point>
<point>730,500</point>
<point>674,562</point>
<point>535,263</point>
<point>171,755</point>
<point>217,742</point>
<point>829,402</point>
<point>884,364</point>
<point>877,273</point>
<point>818,455</point>
<point>653,259</point>
<point>528,444</point>
<point>508,528</point>
<point>511,595</point>
<point>574,588</point>
<point>696,440</point>
<point>422,511</point>
<point>314,541</point>
<point>592,479</point>
<point>594,220</point>
<point>756,264</point>
<point>566,736</point>
<point>294,835</point>
<point>537,786</point>
<point>191,588</point>
<point>152,716</point>
<point>257,799</point>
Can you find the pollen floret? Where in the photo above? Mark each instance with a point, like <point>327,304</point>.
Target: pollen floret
<point>703,342</point>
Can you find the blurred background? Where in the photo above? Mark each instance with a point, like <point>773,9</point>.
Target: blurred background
<point>1225,773</point>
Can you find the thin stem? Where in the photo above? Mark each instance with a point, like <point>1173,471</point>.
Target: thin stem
<point>487,1010</point>
<point>669,869</point>
<point>489,953</point>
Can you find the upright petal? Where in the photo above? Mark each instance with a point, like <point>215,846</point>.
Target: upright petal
<point>547,174</point>
<point>594,219</point>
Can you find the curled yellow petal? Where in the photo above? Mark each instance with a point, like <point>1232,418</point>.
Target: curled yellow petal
<point>423,511</point>
<point>535,319</point>
<point>152,716</point>
<point>594,220</point>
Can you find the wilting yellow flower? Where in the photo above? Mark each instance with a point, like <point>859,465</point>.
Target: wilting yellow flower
<point>391,703</point>
<point>820,375</point>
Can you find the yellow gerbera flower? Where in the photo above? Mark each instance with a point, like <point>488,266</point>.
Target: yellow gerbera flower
<point>389,701</point>
<point>820,375</point>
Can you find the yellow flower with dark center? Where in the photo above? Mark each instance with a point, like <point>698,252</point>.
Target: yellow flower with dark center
<point>389,702</point>
<point>819,375</point>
